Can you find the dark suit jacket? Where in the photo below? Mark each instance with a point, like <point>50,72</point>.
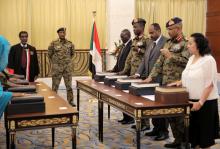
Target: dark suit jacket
<point>15,57</point>
<point>120,64</point>
<point>150,57</point>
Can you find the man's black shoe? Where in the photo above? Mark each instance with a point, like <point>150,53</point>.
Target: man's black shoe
<point>172,145</point>
<point>133,126</point>
<point>161,136</point>
<point>127,122</point>
<point>143,128</point>
<point>120,121</point>
<point>152,133</point>
<point>72,104</point>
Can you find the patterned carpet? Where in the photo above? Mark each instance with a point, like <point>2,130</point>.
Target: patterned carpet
<point>116,136</point>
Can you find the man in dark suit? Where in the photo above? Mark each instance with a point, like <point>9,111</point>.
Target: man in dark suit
<point>151,55</point>
<point>23,60</point>
<point>123,51</point>
<point>119,66</point>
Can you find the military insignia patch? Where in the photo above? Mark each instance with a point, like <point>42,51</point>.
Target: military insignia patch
<point>176,48</point>
<point>140,43</point>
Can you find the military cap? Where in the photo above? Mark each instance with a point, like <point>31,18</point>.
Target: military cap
<point>61,29</point>
<point>173,21</point>
<point>138,20</point>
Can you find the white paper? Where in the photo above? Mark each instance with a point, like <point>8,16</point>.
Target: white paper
<point>105,73</point>
<point>126,91</point>
<point>116,77</point>
<point>150,97</point>
<point>139,103</point>
<point>51,97</point>
<point>101,82</point>
<point>62,108</point>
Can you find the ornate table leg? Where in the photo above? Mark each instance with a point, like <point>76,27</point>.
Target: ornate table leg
<point>108,111</point>
<point>7,138</point>
<point>7,130</point>
<point>74,137</point>
<point>138,128</point>
<point>12,139</point>
<point>53,136</point>
<point>186,125</point>
<point>100,120</point>
<point>78,91</point>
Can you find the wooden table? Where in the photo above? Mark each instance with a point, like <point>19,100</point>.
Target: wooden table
<point>58,113</point>
<point>130,105</point>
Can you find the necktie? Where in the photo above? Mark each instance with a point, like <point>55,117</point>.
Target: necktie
<point>24,58</point>
<point>152,48</point>
<point>154,45</point>
<point>120,54</point>
<point>121,50</point>
<point>122,47</point>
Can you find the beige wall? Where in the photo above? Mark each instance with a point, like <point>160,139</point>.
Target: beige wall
<point>42,18</point>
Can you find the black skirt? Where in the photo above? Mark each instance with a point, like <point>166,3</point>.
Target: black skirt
<point>204,125</point>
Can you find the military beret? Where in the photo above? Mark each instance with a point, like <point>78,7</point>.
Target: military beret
<point>61,29</point>
<point>173,21</point>
<point>138,20</point>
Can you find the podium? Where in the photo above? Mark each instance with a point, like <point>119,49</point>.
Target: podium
<point>26,104</point>
<point>140,89</point>
<point>124,83</point>
<point>171,95</point>
<point>110,80</point>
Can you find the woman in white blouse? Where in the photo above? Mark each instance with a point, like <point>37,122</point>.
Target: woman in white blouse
<point>200,79</point>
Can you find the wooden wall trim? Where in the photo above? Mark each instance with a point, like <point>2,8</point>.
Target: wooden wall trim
<point>213,33</point>
<point>80,62</point>
<point>213,14</point>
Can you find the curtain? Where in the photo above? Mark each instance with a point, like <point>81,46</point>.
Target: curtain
<point>192,12</point>
<point>42,18</point>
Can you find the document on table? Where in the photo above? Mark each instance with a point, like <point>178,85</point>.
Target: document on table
<point>126,91</point>
<point>150,97</point>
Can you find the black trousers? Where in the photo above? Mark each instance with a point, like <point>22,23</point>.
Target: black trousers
<point>160,125</point>
<point>127,117</point>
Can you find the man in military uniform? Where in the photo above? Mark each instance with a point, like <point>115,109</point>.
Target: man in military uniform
<point>60,53</point>
<point>138,48</point>
<point>136,53</point>
<point>170,64</point>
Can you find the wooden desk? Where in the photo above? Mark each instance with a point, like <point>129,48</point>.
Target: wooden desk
<point>52,117</point>
<point>127,103</point>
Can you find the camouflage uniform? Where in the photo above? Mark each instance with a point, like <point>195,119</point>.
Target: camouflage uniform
<point>135,57</point>
<point>3,80</point>
<point>60,54</point>
<point>171,70</point>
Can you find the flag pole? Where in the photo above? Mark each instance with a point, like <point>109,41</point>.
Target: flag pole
<point>94,15</point>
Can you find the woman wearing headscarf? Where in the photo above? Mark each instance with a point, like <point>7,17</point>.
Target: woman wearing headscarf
<point>5,97</point>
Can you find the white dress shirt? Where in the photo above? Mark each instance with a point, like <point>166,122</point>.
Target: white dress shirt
<point>199,75</point>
